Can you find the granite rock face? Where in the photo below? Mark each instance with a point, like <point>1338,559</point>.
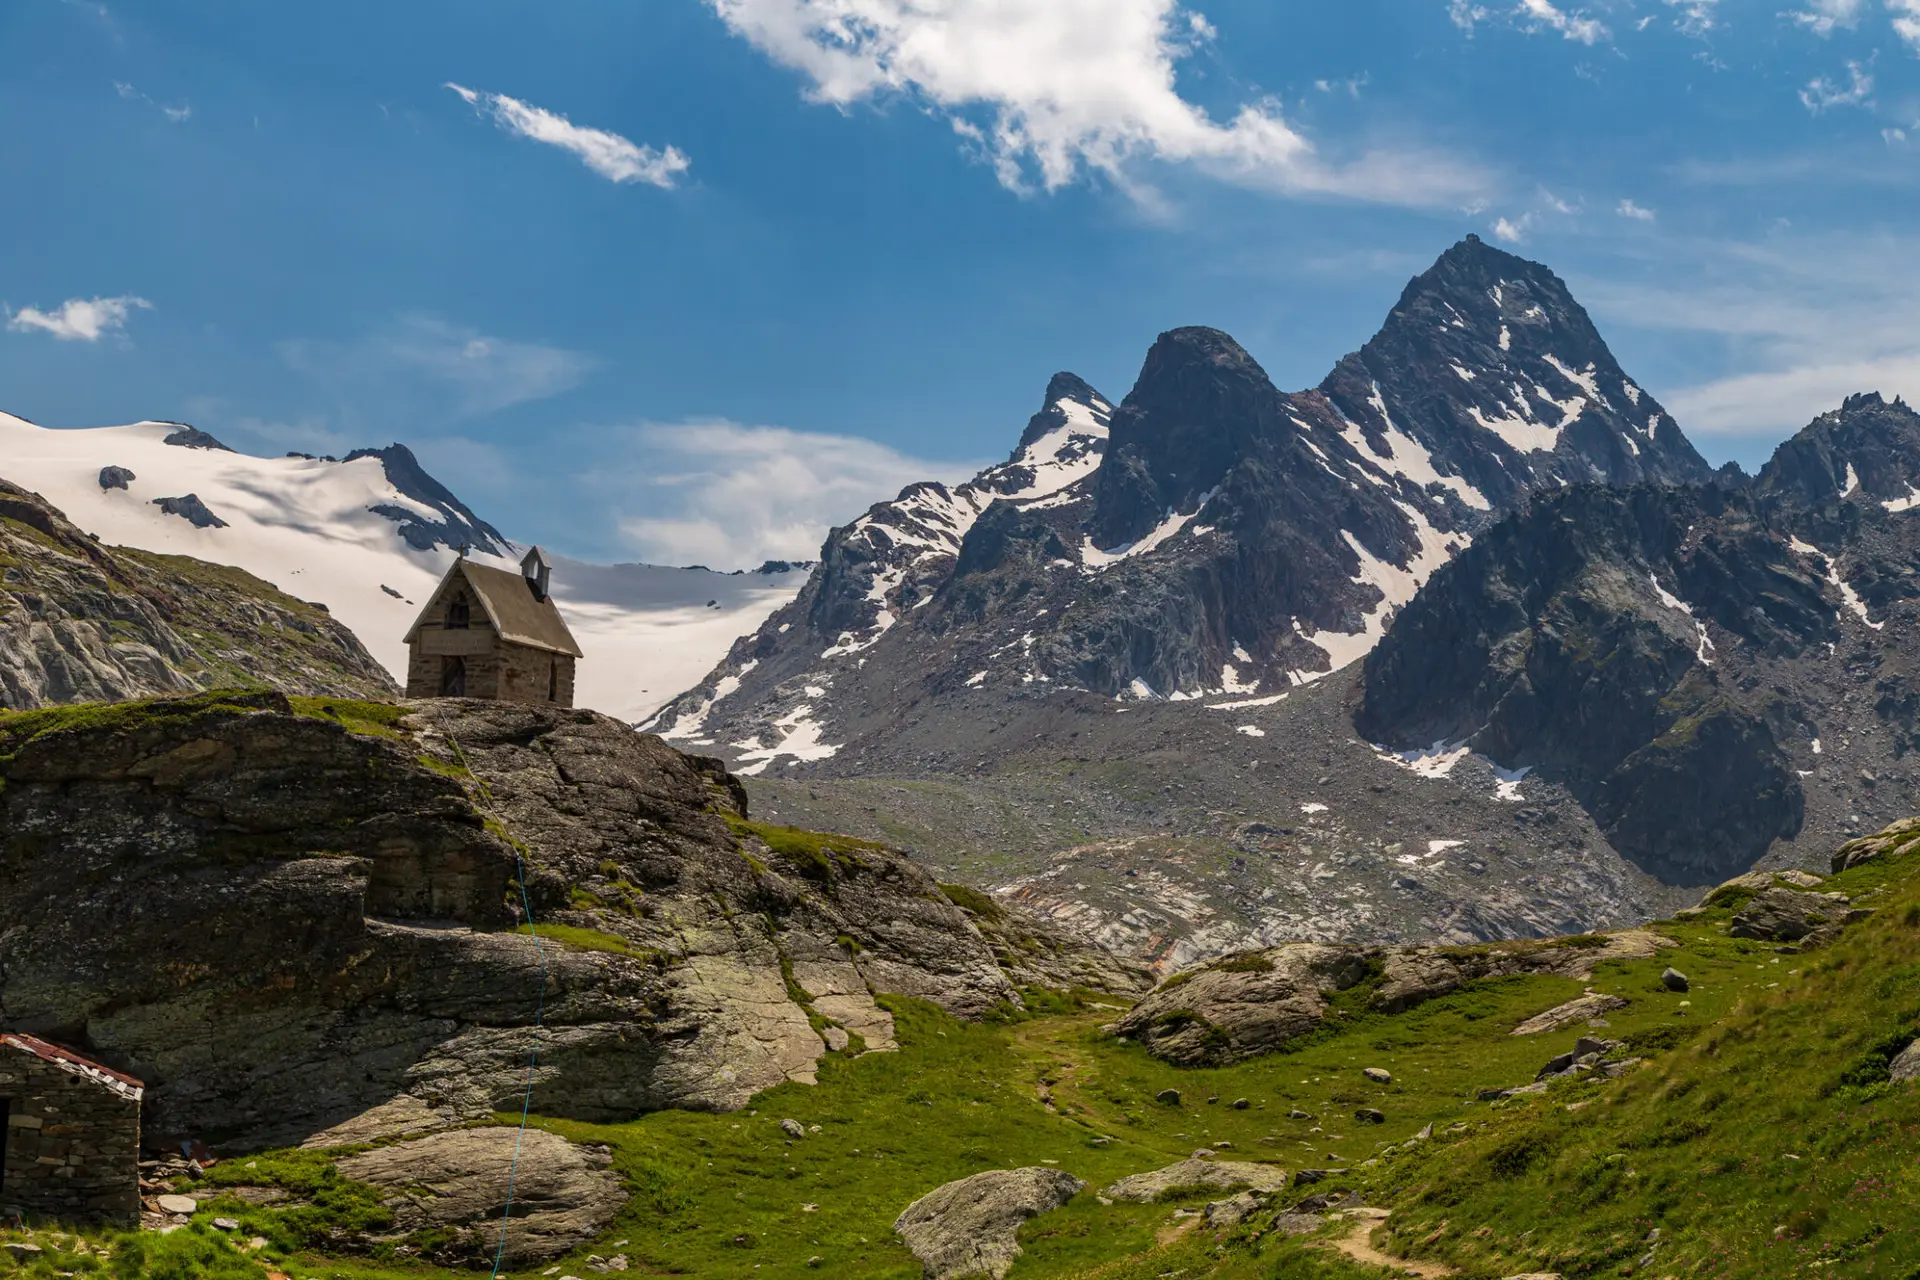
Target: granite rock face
<point>81,622</point>
<point>1866,450</point>
<point>1675,657</point>
<point>1260,1001</point>
<point>564,1195</point>
<point>970,1228</point>
<point>1210,532</point>
<point>296,932</point>
<point>1590,639</point>
<point>1902,837</point>
<point>1227,1175</point>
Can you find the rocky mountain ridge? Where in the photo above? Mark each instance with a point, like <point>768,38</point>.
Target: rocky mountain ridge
<point>81,621</point>
<point>1701,667</point>
<point>1228,538</point>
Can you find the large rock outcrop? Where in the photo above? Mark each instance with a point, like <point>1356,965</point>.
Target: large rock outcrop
<point>455,1183</point>
<point>295,931</point>
<point>83,622</point>
<point>970,1229</point>
<point>1260,1001</point>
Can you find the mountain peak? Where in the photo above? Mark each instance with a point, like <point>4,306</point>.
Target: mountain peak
<point>1197,401</point>
<point>1867,400</point>
<point>1867,449</point>
<point>1489,362</point>
<point>1064,389</point>
<point>1071,386</point>
<point>1197,345</point>
<point>458,525</point>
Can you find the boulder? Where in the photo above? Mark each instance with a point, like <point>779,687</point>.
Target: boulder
<point>1900,838</point>
<point>1231,1011</point>
<point>1168,1097</point>
<point>1674,980</point>
<point>455,1182</point>
<point>793,1128</point>
<point>1225,1175</point>
<point>1221,1015</point>
<point>1579,1009</point>
<point>971,1227</point>
<point>1788,915</point>
<point>190,508</point>
<point>1379,1075</point>
<point>1234,1210</point>
<point>1761,881</point>
<point>1906,1067</point>
<point>1367,1115</point>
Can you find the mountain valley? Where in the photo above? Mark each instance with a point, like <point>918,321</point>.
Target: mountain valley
<point>1154,692</point>
<point>1432,823</point>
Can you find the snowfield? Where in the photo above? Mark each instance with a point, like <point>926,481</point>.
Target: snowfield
<point>308,527</point>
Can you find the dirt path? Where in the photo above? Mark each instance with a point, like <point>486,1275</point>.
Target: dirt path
<point>1358,1245</point>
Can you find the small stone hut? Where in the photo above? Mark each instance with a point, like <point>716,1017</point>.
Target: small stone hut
<point>71,1146</point>
<point>493,633</point>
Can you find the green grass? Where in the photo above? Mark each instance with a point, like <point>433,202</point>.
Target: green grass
<point>973,902</point>
<point>326,1206</point>
<point>373,719</point>
<point>813,854</point>
<point>1769,1144</point>
<point>1766,1058</point>
<point>198,1253</point>
<point>588,940</point>
<point>17,728</point>
<point>222,578</point>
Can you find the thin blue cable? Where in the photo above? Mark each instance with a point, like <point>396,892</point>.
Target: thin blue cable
<point>533,1058</point>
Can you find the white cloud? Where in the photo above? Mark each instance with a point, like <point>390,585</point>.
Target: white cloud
<point>607,154</point>
<point>1803,321</point>
<point>385,373</point>
<point>1906,20</point>
<point>1513,231</point>
<point>175,115</point>
<point>731,496</point>
<point>79,319</point>
<point>1628,209</point>
<point>1696,16</point>
<point>1822,94</point>
<point>1822,16</point>
<point>1351,86</point>
<point>1467,15</point>
<point>1051,92</point>
<point>1776,402</point>
<point>1575,26</point>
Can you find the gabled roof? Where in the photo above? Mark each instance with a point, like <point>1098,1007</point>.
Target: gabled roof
<point>510,607</point>
<point>72,1063</point>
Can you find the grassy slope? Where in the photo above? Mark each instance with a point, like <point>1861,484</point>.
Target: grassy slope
<point>1769,1057</point>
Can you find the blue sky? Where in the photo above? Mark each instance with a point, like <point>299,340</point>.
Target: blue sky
<point>688,280</point>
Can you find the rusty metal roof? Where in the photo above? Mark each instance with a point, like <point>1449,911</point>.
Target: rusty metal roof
<point>73,1063</point>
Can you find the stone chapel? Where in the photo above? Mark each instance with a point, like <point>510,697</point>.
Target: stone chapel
<point>493,633</point>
